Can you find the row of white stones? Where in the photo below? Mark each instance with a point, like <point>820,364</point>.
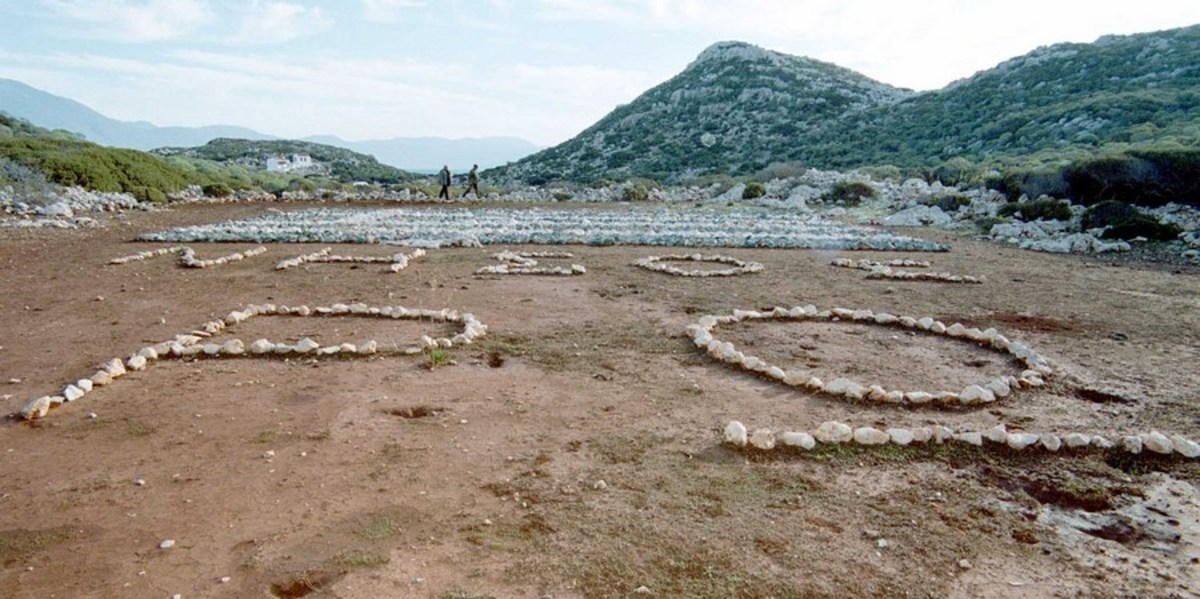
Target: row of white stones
<point>192,344</point>
<point>740,267</point>
<point>525,263</point>
<point>833,432</point>
<point>1036,367</point>
<point>187,256</point>
<point>883,270</point>
<point>396,262</point>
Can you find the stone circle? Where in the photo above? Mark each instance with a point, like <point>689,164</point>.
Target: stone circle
<point>740,267</point>
<point>193,344</point>
<point>834,432</point>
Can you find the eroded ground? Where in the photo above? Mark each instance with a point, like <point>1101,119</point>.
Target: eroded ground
<point>576,451</point>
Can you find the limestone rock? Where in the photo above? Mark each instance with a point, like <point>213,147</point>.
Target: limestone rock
<point>100,378</point>
<point>833,432</point>
<point>306,345</point>
<point>261,346</point>
<point>870,436</point>
<point>996,434</point>
<point>1185,447</point>
<point>976,394</point>
<point>735,433</point>
<point>84,384</point>
<point>114,367</point>
<point>901,436</point>
<point>1051,441</point>
<point>136,362</point>
<point>1019,441</point>
<point>1158,443</point>
<point>233,347</point>
<point>72,393</point>
<point>1076,440</point>
<point>1132,444</point>
<point>941,434</point>
<point>37,408</point>
<point>969,438</point>
<point>802,440</point>
<point>763,439</point>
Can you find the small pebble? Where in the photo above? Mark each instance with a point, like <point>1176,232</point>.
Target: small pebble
<point>167,544</point>
<point>964,564</point>
<point>600,485</point>
<point>140,482</point>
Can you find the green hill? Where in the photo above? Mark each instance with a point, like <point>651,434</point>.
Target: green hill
<point>738,108</point>
<point>342,164</point>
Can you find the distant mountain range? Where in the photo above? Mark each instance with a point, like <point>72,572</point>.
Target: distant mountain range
<point>417,154</point>
<point>737,108</point>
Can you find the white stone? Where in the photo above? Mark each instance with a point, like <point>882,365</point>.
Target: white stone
<point>1076,440</point>
<point>1132,444</point>
<point>1157,442</point>
<point>938,327</point>
<point>735,433</point>
<point>233,347</point>
<point>114,367</point>
<point>815,384</point>
<point>802,440</point>
<point>136,362</point>
<point>167,544</point>
<point>956,330</point>
<point>368,348</point>
<point>976,394</point>
<point>1101,442</point>
<point>870,436</point>
<point>900,436</point>
<point>776,373</point>
<point>975,439</point>
<point>999,388</point>
<point>1185,447</point>
<point>100,378</point>
<point>149,353</point>
<point>261,346</point>
<point>72,393</point>
<point>918,397</point>
<point>838,386</point>
<point>941,434</point>
<point>1050,441</point>
<point>922,434</point>
<point>833,432</point>
<point>1019,441</point>
<point>37,408</point>
<point>925,323</point>
<point>762,439</point>
<point>84,384</point>
<point>210,349</point>
<point>996,434</point>
<point>306,345</point>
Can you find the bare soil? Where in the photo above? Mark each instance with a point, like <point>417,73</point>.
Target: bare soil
<point>576,451</point>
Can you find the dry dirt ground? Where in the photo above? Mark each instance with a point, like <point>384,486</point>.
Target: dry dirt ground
<point>577,452</point>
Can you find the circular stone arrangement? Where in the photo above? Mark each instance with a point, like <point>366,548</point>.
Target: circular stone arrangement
<point>187,256</point>
<point>525,263</point>
<point>395,262</point>
<point>833,432</point>
<point>740,267</point>
<point>883,270</point>
<point>191,344</point>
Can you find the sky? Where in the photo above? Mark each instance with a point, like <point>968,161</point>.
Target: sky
<point>541,70</point>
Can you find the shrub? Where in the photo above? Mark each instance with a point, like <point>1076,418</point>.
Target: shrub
<point>950,203</point>
<point>562,196</point>
<point>753,189</point>
<point>1141,225</point>
<point>217,190</point>
<point>782,170</point>
<point>1107,214</point>
<point>635,193</point>
<point>849,193</point>
<point>602,184</point>
<point>1039,209</point>
<point>149,194</point>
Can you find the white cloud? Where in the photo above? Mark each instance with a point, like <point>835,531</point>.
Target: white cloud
<point>133,21</point>
<point>276,21</point>
<point>389,11</point>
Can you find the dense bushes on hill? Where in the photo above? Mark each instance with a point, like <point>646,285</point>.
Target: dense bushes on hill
<point>1146,177</point>
<point>74,162</point>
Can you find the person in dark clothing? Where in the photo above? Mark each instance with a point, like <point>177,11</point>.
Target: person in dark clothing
<point>444,181</point>
<point>472,182</point>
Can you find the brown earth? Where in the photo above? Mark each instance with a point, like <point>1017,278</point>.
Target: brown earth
<point>576,451</point>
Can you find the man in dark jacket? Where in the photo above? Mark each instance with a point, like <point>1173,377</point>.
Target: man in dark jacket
<point>472,182</point>
<point>444,181</point>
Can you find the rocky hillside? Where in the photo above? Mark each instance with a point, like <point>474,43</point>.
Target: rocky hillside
<point>340,163</point>
<point>737,107</point>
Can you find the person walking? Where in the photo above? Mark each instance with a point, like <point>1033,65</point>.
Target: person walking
<point>444,181</point>
<point>472,181</point>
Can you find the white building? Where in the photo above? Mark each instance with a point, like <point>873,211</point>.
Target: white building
<point>294,163</point>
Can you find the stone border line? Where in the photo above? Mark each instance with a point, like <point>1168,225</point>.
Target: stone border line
<point>883,270</point>
<point>740,267</point>
<point>191,344</point>
<point>396,262</point>
<point>525,263</point>
<point>187,256</point>
<point>1034,375</point>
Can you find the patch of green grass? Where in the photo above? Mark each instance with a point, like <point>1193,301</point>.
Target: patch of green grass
<point>438,358</point>
<point>137,428</point>
<point>18,544</point>
<point>267,436</point>
<point>359,559</point>
<point>377,527</point>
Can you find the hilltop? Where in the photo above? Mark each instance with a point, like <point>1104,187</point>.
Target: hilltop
<point>738,108</point>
